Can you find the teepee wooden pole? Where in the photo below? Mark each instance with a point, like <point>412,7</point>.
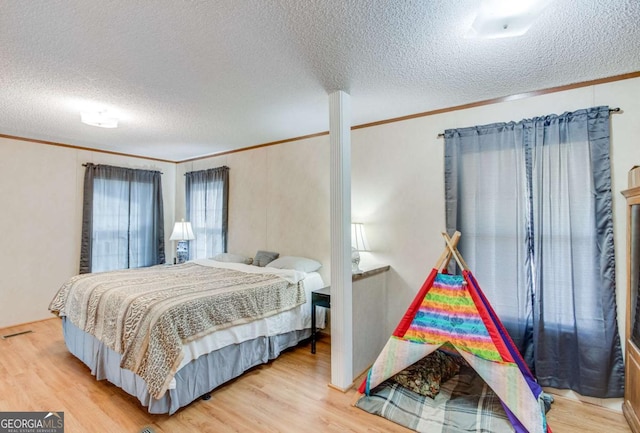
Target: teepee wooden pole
<point>454,243</point>
<point>445,257</point>
<point>454,251</point>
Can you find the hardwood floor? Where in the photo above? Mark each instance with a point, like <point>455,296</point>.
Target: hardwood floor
<point>289,394</point>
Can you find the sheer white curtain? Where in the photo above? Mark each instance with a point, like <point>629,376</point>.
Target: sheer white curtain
<point>533,202</point>
<point>123,224</point>
<point>207,196</point>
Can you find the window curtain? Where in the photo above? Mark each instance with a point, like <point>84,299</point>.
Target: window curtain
<point>207,196</point>
<point>122,219</point>
<point>533,202</point>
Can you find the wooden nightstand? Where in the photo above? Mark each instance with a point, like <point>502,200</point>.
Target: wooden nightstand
<point>319,298</point>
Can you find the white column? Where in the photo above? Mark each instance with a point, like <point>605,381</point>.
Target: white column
<point>341,300</point>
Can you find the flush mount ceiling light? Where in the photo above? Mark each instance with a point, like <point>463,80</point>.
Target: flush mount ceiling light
<point>99,118</point>
<point>505,18</point>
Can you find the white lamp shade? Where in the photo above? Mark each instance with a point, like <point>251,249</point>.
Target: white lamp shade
<point>359,238</point>
<point>182,231</point>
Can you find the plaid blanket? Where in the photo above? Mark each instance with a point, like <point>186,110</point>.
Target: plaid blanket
<point>464,404</point>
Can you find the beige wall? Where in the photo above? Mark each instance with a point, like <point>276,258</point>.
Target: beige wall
<point>398,179</point>
<point>279,194</point>
<point>398,187</point>
<point>41,195</point>
<point>278,199</point>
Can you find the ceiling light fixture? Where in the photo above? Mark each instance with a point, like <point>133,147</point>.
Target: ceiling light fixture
<point>99,118</point>
<point>505,18</point>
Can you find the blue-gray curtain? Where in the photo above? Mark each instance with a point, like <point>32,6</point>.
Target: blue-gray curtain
<point>122,219</point>
<point>533,202</point>
<point>207,197</point>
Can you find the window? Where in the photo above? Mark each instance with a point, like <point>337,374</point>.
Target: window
<point>532,200</point>
<point>207,196</point>
<point>123,225</point>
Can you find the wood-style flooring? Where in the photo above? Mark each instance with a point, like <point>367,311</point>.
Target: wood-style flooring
<point>290,394</point>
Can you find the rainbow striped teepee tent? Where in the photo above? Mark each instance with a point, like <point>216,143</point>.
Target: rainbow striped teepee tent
<point>451,310</point>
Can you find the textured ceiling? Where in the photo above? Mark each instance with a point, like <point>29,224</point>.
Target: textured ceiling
<point>192,78</point>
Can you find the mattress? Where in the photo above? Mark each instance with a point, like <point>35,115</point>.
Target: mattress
<point>298,318</point>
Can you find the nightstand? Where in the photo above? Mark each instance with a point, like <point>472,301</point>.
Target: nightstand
<point>319,298</point>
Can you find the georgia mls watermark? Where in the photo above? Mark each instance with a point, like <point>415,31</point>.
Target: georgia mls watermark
<point>31,422</point>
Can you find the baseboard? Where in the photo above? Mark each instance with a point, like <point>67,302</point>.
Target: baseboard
<point>612,404</point>
<point>5,329</point>
<point>337,388</point>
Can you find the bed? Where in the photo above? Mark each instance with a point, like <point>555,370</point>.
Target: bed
<point>170,334</point>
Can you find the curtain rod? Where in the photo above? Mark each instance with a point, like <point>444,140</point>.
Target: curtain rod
<point>611,110</point>
<point>207,169</point>
<point>85,164</point>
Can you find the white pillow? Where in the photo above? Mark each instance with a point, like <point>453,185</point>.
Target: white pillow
<point>232,258</point>
<point>296,263</point>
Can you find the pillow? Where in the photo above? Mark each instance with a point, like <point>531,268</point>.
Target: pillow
<point>296,263</point>
<point>232,258</point>
<point>263,258</point>
<point>425,376</point>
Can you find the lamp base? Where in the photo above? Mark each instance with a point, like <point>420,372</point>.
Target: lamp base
<point>182,252</point>
<point>355,262</point>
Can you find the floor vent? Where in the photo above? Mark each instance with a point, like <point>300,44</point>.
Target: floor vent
<point>4,337</point>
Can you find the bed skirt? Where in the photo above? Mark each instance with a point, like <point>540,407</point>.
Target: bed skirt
<point>193,380</point>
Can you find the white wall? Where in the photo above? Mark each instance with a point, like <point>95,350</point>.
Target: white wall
<point>41,195</point>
